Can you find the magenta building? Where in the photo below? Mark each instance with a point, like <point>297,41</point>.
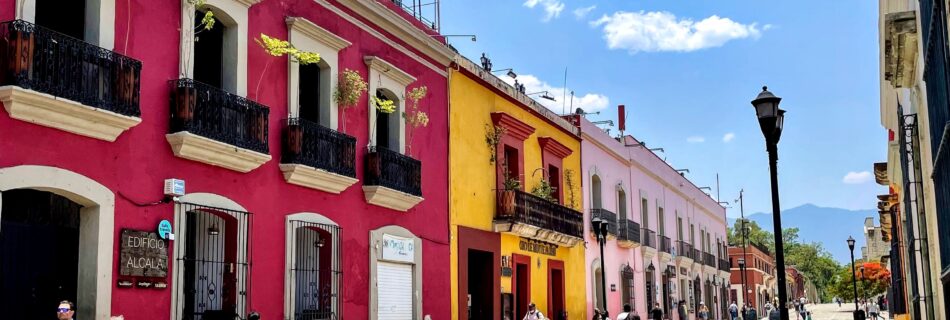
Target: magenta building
<point>666,238</point>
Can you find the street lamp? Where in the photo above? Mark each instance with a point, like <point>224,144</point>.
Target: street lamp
<point>745,294</point>
<point>858,314</point>
<point>864,284</point>
<point>600,229</point>
<point>771,121</point>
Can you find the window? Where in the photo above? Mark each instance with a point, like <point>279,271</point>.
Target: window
<point>389,82</point>
<point>89,20</point>
<point>595,192</point>
<point>644,214</point>
<point>62,16</point>
<point>387,124</point>
<point>511,163</point>
<point>209,46</point>
<point>311,86</point>
<point>621,204</point>
<point>627,286</point>
<point>554,178</point>
<point>310,89</point>
<point>315,266</point>
<point>219,57</point>
<point>692,234</point>
<point>661,221</point>
<point>679,228</point>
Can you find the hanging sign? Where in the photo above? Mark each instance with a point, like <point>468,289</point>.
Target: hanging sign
<point>142,254</point>
<point>398,249</point>
<point>538,247</point>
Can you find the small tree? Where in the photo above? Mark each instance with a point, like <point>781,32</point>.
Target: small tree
<point>278,48</point>
<point>493,136</point>
<point>415,118</point>
<point>207,23</point>
<point>348,92</point>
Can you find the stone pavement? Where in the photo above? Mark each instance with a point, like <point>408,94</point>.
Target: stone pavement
<point>830,311</point>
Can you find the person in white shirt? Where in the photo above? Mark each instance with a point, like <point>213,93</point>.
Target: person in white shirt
<point>625,315</point>
<point>873,310</point>
<point>533,313</point>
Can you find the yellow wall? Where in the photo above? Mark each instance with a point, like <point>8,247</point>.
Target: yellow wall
<point>472,183</point>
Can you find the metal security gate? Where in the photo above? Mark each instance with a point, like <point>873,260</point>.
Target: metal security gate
<point>317,273</point>
<point>213,263</point>
<point>394,288</point>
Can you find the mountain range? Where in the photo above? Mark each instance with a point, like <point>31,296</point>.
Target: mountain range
<point>828,226</point>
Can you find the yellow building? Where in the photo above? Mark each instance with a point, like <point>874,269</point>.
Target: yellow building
<point>510,246</point>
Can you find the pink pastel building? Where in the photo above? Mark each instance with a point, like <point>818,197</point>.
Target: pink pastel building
<point>667,238</point>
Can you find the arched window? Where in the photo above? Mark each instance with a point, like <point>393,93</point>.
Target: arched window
<point>595,192</point>
<point>209,52</point>
<point>621,203</point>
<point>314,267</point>
<point>387,124</point>
<point>627,286</point>
<point>311,86</point>
<point>216,56</point>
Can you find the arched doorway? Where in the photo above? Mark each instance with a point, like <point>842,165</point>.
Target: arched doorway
<point>41,205</point>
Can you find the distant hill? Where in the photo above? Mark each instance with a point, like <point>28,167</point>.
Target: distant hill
<point>828,226</point>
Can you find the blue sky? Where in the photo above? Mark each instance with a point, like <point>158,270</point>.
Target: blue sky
<point>687,69</point>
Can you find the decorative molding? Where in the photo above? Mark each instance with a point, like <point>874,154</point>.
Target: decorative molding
<point>665,257</point>
<point>900,48</point>
<point>310,177</point>
<point>647,252</point>
<point>314,31</point>
<point>67,115</point>
<point>683,261</point>
<point>384,17</point>
<point>389,198</point>
<point>709,270</point>
<point>513,127</point>
<point>554,147</point>
<point>194,147</point>
<point>534,232</point>
<point>385,67</point>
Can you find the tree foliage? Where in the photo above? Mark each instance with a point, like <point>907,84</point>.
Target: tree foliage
<point>872,282</point>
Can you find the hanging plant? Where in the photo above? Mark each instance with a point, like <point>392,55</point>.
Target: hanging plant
<point>348,92</point>
<point>279,48</point>
<point>415,118</point>
<point>569,180</point>
<point>493,136</point>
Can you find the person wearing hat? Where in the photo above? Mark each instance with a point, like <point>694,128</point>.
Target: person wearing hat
<point>533,313</point>
<point>703,311</point>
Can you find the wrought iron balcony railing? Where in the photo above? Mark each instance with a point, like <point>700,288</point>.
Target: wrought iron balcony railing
<point>628,231</point>
<point>36,58</point>
<point>648,237</point>
<point>523,207</point>
<point>697,256</point>
<point>216,114</point>
<point>683,248</point>
<point>709,259</point>
<point>606,215</point>
<point>391,169</point>
<point>666,245</point>
<point>311,144</point>
<point>724,265</point>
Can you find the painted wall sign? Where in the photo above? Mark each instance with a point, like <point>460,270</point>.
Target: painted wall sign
<point>538,247</point>
<point>142,254</point>
<point>123,284</point>
<point>398,248</point>
<point>164,229</point>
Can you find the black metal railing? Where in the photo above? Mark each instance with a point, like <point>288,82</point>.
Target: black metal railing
<point>523,207</point>
<point>391,169</point>
<point>429,18</point>
<point>36,58</point>
<point>213,263</point>
<point>606,215</point>
<point>216,114</point>
<point>685,249</point>
<point>724,265</point>
<point>648,237</point>
<point>628,231</point>
<point>760,247</point>
<point>697,256</point>
<point>311,144</point>
<point>317,271</point>
<point>666,245</point>
<point>709,259</point>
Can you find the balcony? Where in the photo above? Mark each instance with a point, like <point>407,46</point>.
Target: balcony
<point>526,215</point>
<point>608,216</point>
<point>215,127</point>
<point>628,234</point>
<point>684,254</point>
<point>697,257</point>
<point>317,157</point>
<point>666,248</point>
<point>724,265</point>
<point>391,179</point>
<point>710,262</point>
<point>648,241</point>
<point>54,80</point>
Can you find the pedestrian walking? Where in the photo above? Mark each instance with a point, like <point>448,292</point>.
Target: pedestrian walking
<point>802,311</point>
<point>625,315</point>
<point>703,311</point>
<point>873,310</point>
<point>533,313</point>
<point>596,314</point>
<point>682,310</point>
<point>66,310</point>
<point>656,313</point>
<point>733,311</point>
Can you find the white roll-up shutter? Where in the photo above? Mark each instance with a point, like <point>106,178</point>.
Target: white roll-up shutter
<point>394,291</point>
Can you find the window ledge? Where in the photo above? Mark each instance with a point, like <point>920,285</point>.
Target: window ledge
<point>683,261</point>
<point>709,270</point>
<point>389,198</point>
<point>724,274</point>
<point>310,177</point>
<point>534,232</point>
<point>67,115</point>
<point>647,252</point>
<point>697,266</point>
<point>194,147</point>
<point>629,244</point>
<point>666,257</point>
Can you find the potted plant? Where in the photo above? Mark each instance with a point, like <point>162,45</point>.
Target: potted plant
<point>507,201</point>
<point>544,189</point>
<point>19,46</point>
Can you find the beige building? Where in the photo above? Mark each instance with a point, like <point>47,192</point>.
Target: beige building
<point>874,237</point>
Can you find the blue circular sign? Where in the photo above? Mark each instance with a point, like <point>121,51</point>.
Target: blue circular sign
<point>164,229</point>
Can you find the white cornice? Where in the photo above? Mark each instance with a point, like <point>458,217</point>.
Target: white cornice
<point>314,31</point>
<point>395,24</point>
<point>247,3</point>
<point>67,115</point>
<point>389,70</point>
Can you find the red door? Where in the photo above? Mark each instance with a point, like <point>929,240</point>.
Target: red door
<point>556,304</point>
<point>521,284</point>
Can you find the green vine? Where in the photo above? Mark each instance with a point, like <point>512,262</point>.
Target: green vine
<point>493,136</point>
<point>569,180</point>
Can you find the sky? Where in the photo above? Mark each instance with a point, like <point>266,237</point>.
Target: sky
<point>687,70</point>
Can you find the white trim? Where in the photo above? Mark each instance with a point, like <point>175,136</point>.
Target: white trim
<point>389,198</point>
<point>189,146</point>
<point>307,36</point>
<point>290,256</point>
<point>378,35</point>
<point>63,114</point>
<point>99,16</point>
<point>376,254</point>
<point>388,20</point>
<point>97,227</point>
<point>310,177</point>
<point>384,75</point>
<point>233,15</point>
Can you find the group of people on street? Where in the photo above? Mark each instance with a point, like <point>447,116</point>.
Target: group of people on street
<point>656,313</point>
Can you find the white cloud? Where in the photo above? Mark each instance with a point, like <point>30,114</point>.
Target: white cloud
<point>728,137</point>
<point>857,177</point>
<point>580,13</point>
<point>590,102</point>
<point>663,31</point>
<point>552,8</point>
<point>696,139</point>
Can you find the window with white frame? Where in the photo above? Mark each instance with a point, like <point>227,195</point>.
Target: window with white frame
<point>93,21</point>
<point>388,82</point>
<point>311,86</point>
<point>314,267</point>
<point>216,56</point>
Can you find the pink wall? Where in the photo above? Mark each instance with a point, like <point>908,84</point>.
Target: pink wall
<point>649,173</point>
<point>135,165</point>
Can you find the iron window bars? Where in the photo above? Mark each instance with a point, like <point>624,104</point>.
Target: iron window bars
<point>316,272</point>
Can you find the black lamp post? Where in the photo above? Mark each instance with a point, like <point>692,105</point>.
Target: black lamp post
<point>771,121</point>
<point>858,314</point>
<point>745,295</point>
<point>600,229</point>
<point>864,284</point>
